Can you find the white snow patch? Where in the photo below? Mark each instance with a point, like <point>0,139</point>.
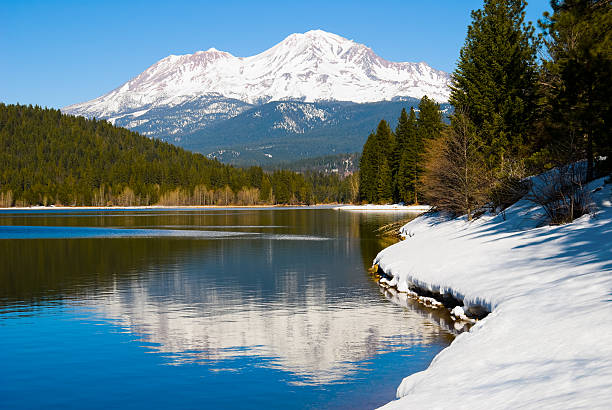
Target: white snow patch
<point>548,341</point>
<point>430,301</point>
<point>459,314</point>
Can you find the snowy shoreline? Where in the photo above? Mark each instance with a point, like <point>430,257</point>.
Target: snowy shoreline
<point>548,339</point>
<point>460,313</point>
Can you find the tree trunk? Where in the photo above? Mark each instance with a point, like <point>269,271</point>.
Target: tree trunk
<point>589,155</point>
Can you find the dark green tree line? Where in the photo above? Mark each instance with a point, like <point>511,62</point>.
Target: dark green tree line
<point>375,177</point>
<point>392,164</point>
<point>47,158</point>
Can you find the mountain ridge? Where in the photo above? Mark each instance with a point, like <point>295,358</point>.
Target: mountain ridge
<point>286,131</point>
<point>186,99</point>
<point>310,67</point>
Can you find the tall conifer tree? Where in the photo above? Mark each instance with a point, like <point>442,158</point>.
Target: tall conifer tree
<point>429,123</point>
<point>379,149</point>
<point>385,139</point>
<point>384,188</point>
<point>496,78</point>
<point>406,179</point>
<point>577,78</point>
<point>386,147</point>
<point>402,137</point>
<point>367,170</point>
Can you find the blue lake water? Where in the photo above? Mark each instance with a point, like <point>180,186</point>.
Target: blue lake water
<point>225,308</point>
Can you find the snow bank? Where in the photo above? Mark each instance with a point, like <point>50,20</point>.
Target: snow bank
<point>548,341</point>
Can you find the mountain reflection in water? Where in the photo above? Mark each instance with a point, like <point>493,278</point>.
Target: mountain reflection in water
<point>304,307</point>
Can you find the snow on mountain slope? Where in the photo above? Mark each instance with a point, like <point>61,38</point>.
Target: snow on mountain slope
<point>314,66</point>
<point>291,130</point>
<point>183,118</point>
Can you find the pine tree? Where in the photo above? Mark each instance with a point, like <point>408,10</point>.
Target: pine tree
<point>429,123</point>
<point>404,181</point>
<point>429,127</point>
<point>414,155</point>
<point>496,79</point>
<point>577,79</point>
<point>378,149</point>
<point>386,159</point>
<point>385,140</point>
<point>411,149</point>
<point>384,183</point>
<point>367,170</point>
<point>402,134</point>
<point>402,131</point>
<point>402,139</point>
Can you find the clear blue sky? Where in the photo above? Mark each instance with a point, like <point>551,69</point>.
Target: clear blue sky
<point>55,53</point>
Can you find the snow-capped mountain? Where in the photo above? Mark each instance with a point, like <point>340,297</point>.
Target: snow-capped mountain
<point>193,100</point>
<point>314,66</point>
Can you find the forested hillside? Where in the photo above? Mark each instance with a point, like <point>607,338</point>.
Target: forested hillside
<point>342,164</point>
<point>288,131</point>
<point>47,158</point>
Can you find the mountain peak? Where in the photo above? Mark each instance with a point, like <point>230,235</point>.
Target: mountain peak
<point>321,34</point>
<point>311,66</point>
<point>318,37</point>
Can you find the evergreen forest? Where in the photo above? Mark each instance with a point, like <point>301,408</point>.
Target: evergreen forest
<point>48,158</point>
<point>391,163</point>
<point>524,103</point>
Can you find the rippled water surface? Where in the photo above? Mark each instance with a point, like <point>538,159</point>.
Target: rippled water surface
<point>227,308</point>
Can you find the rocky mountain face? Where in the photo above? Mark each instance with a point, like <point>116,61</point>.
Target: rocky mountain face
<point>286,131</point>
<point>304,75</point>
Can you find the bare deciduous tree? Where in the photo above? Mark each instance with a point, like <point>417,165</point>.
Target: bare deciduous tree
<point>6,199</point>
<point>561,193</point>
<point>456,179</point>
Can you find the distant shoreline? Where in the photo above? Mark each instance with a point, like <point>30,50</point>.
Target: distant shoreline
<point>128,208</point>
<point>384,208</point>
<point>335,206</point>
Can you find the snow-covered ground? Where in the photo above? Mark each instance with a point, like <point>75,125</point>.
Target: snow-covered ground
<point>380,208</point>
<point>547,342</point>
